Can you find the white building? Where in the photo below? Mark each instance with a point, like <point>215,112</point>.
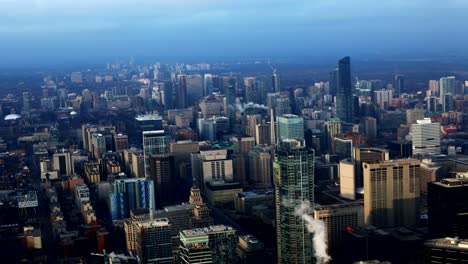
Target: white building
<point>426,137</point>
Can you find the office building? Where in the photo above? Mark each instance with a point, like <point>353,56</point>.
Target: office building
<point>370,128</point>
<point>383,98</point>
<point>344,93</point>
<point>148,122</point>
<point>153,241</point>
<point>211,106</point>
<point>399,84</point>
<point>222,243</point>
<point>212,165</point>
<point>447,85</point>
<point>129,194</point>
<point>276,82</point>
<point>290,127</point>
<point>448,207</point>
<point>348,179</point>
<point>194,88</point>
<point>446,250</point>
<point>120,142</point>
<point>181,95</point>
<point>163,175</point>
<point>294,183</point>
<point>62,163</point>
<point>138,215</point>
<point>242,146</point>
<point>263,133</point>
<point>432,103</point>
<point>337,218</point>
<point>434,88</point>
<point>154,142</point>
<point>245,201</point>
<point>391,193</point>
<point>260,166</point>
<point>194,248</point>
<point>343,148</point>
<point>412,115</point>
<point>426,137</point>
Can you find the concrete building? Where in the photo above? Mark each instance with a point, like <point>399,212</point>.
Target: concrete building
<point>337,218</point>
<point>391,193</point>
<point>448,207</point>
<point>222,242</point>
<point>426,137</point>
<point>153,241</point>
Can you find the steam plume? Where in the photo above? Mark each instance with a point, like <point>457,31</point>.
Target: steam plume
<point>241,107</point>
<point>317,227</point>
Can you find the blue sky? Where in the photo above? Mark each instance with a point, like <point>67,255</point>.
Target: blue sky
<point>32,30</point>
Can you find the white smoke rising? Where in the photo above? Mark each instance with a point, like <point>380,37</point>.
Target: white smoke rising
<point>317,227</point>
<point>241,107</point>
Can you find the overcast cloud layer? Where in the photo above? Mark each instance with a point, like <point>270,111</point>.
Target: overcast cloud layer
<point>65,29</point>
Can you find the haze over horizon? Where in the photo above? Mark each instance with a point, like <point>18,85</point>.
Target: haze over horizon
<point>42,31</point>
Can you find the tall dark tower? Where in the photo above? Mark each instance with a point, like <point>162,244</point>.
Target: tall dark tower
<point>182,92</point>
<point>344,93</point>
<point>399,84</point>
<point>333,82</point>
<point>276,82</point>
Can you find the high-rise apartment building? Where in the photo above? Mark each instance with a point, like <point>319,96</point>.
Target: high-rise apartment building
<point>344,93</point>
<point>391,191</point>
<point>412,115</point>
<point>426,137</point>
<point>293,172</point>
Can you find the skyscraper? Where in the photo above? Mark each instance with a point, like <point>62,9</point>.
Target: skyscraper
<point>391,193</point>
<point>448,207</point>
<point>153,241</point>
<point>399,84</point>
<point>290,127</point>
<point>163,175</point>
<point>337,218</point>
<point>276,82</point>
<point>153,143</point>
<point>130,194</point>
<point>194,248</point>
<point>293,172</point>
<point>181,99</point>
<point>344,93</point>
<point>333,82</point>
<point>426,137</point>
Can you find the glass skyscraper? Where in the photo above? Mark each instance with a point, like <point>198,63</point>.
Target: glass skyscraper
<point>153,143</point>
<point>344,93</point>
<point>294,183</point>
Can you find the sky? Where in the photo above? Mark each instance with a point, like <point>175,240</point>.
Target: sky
<point>33,31</point>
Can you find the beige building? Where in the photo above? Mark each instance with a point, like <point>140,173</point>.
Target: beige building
<point>391,193</point>
<point>347,179</point>
<point>412,115</point>
<point>337,218</point>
